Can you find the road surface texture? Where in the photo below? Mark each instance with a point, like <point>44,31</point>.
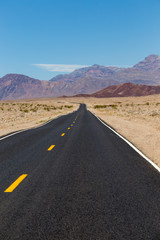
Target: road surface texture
<point>74,179</point>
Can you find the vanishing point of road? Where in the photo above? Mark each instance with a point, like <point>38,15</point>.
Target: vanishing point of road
<point>75,179</point>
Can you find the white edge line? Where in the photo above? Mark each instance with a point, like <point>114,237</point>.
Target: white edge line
<point>130,144</point>
<point>24,130</point>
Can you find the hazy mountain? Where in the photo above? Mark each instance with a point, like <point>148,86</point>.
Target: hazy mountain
<point>85,80</point>
<point>145,72</point>
<point>95,71</point>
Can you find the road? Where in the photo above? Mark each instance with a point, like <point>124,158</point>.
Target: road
<point>74,179</point>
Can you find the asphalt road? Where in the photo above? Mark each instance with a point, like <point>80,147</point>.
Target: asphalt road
<point>85,184</point>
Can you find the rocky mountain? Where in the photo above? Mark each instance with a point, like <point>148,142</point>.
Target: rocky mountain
<point>150,63</point>
<point>127,90</point>
<point>81,81</point>
<point>16,86</point>
<point>97,77</point>
<point>86,80</point>
<point>95,71</point>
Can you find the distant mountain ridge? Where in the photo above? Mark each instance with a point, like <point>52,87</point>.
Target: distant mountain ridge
<point>81,81</point>
<point>146,71</point>
<point>127,90</point>
<point>123,90</point>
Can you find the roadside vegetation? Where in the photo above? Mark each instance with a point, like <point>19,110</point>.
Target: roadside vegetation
<point>130,109</point>
<point>27,108</point>
<point>113,106</point>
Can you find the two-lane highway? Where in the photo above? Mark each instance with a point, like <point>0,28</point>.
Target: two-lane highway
<point>74,179</point>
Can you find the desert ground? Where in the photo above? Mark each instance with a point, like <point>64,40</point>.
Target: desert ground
<point>22,114</point>
<point>136,118</point>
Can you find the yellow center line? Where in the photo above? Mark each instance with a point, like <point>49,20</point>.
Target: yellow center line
<point>71,124</point>
<point>73,121</point>
<point>51,147</point>
<point>16,183</point>
<point>62,134</point>
<point>69,128</point>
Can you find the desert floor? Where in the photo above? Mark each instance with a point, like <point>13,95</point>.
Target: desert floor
<point>22,114</point>
<point>136,118</point>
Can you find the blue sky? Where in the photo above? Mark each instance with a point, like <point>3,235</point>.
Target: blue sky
<point>66,32</point>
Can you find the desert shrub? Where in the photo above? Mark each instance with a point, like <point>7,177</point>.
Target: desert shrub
<point>154,114</point>
<point>42,121</point>
<point>68,106</point>
<point>113,106</point>
<point>26,110</point>
<point>34,109</point>
<point>47,108</point>
<point>147,103</point>
<point>53,107</point>
<point>100,106</point>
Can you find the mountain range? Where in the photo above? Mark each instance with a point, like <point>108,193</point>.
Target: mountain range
<point>86,80</point>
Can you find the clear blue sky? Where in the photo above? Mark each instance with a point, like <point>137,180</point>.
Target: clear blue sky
<point>70,32</point>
